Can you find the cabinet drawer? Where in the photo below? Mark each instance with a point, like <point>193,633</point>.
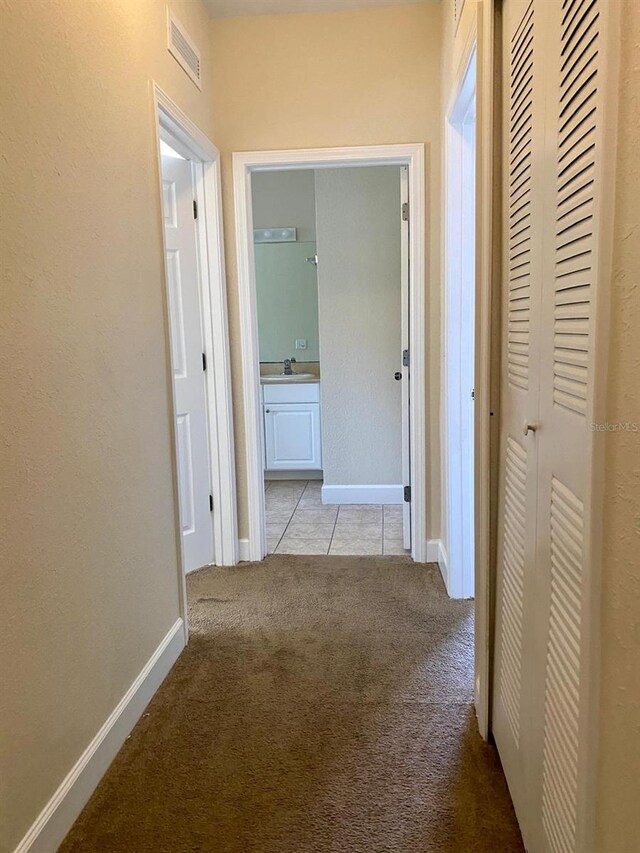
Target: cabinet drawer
<point>305,392</point>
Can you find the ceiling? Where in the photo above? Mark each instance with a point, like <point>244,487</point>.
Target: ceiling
<point>235,8</point>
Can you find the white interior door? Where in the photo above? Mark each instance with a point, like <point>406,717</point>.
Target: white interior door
<point>404,331</point>
<point>194,473</point>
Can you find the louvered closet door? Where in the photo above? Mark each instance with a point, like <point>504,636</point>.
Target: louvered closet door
<point>551,295</point>
<point>573,201</point>
<point>523,141</point>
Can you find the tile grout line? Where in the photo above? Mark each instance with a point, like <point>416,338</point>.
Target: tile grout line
<point>286,525</point>
<point>346,522</point>
<point>283,532</point>
<point>335,523</point>
<point>291,516</point>
<point>266,524</point>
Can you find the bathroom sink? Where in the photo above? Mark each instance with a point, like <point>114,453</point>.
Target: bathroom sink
<point>296,377</point>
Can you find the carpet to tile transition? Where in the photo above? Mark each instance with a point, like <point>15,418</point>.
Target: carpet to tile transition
<point>323,705</point>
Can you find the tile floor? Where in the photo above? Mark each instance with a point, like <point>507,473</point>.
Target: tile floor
<point>299,523</point>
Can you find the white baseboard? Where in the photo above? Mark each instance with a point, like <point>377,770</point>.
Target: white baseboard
<point>243,550</point>
<point>436,554</point>
<point>56,819</point>
<point>433,550</point>
<point>362,494</point>
<point>443,563</point>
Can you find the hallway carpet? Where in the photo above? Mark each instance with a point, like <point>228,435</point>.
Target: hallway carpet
<point>323,705</point>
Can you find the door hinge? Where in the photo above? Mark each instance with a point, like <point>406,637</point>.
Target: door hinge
<point>405,358</point>
<point>473,393</point>
<point>210,503</point>
<point>405,211</point>
<point>407,494</point>
<point>195,209</point>
<point>204,361</point>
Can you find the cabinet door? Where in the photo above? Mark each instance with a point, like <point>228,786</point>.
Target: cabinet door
<point>292,436</point>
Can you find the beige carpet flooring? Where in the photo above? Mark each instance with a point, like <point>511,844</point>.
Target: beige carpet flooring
<point>323,705</point>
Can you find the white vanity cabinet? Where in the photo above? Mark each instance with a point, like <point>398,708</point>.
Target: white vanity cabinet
<point>292,439</point>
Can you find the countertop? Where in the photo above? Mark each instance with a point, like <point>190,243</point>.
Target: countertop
<point>291,380</point>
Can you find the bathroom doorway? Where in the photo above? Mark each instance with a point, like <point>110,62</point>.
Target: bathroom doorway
<point>331,264</point>
<point>331,403</point>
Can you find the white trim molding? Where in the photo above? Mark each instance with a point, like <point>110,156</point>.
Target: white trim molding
<point>479,36</point>
<point>195,146</point>
<point>437,553</point>
<point>59,814</point>
<point>362,494</point>
<point>487,359</point>
<point>244,164</point>
<point>243,551</point>
<point>458,330</point>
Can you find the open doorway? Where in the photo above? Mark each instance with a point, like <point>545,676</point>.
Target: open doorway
<point>331,265</point>
<point>269,426</point>
<point>197,338</point>
<point>459,336</point>
<point>188,357</point>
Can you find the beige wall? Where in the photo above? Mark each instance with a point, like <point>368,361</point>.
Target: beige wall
<point>363,77</point>
<point>618,815</point>
<point>89,566</point>
<point>358,226</point>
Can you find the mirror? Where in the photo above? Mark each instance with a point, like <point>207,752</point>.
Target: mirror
<point>287,290</point>
<point>284,222</point>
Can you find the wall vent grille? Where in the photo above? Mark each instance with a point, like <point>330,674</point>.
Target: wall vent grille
<point>183,49</point>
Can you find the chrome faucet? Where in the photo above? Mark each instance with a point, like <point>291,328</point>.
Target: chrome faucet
<point>288,370</point>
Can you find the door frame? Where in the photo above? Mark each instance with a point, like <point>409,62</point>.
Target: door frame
<point>459,492</point>
<point>244,164</point>
<point>480,36</point>
<point>191,142</point>
<point>405,325</point>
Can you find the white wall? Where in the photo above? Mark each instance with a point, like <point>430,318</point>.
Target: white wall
<point>358,235</point>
